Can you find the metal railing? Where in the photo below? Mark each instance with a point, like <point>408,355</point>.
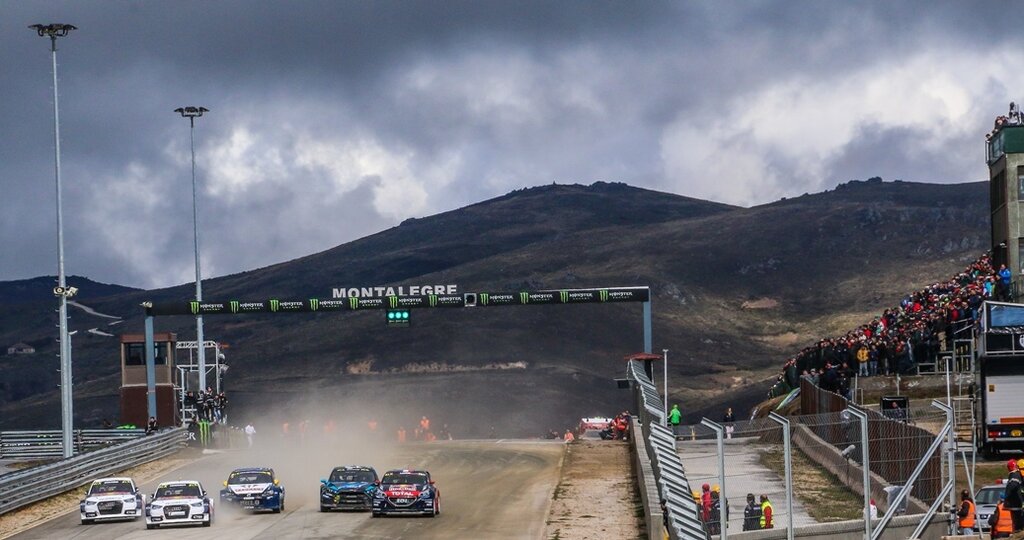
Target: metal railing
<point>25,487</point>
<point>682,517</point>
<point>42,444</point>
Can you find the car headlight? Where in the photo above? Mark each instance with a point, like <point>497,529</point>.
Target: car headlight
<point>426,494</point>
<point>197,505</point>
<point>90,502</point>
<point>128,499</point>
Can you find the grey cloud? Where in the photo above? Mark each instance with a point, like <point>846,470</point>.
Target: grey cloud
<point>465,100</point>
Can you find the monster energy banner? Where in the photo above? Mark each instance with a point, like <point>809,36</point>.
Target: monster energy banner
<point>353,303</point>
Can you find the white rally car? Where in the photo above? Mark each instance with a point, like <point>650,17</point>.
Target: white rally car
<point>111,498</point>
<point>179,503</point>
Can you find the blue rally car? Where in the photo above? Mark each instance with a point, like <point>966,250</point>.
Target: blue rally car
<point>254,488</point>
<point>348,488</point>
<point>407,492</point>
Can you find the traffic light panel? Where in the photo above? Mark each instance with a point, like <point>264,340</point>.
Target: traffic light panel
<point>398,317</point>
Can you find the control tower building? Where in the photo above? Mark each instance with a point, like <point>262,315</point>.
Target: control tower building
<point>1005,157</point>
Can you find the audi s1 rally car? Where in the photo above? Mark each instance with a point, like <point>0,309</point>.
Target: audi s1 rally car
<point>349,488</point>
<point>407,492</point>
<point>179,503</point>
<point>255,488</point>
<point>111,498</point>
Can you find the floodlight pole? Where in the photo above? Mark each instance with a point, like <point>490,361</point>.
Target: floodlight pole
<point>664,363</point>
<point>53,31</point>
<point>192,113</point>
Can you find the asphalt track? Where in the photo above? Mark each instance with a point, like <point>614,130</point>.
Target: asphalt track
<point>489,489</point>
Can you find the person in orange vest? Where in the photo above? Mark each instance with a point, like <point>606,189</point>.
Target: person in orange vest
<point>425,424</point>
<point>966,513</point>
<point>1001,521</point>
<point>401,434</point>
<point>569,437</point>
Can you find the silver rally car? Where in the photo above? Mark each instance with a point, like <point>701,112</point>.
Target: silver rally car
<point>179,503</point>
<point>111,499</point>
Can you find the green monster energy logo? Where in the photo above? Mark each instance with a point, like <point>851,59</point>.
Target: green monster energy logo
<point>432,300</point>
<point>274,304</point>
<point>603,294</point>
<point>234,306</point>
<point>564,295</point>
<point>194,306</point>
<point>483,298</point>
<point>314,304</point>
<point>524,298</point>
<point>353,302</point>
<point>393,301</point>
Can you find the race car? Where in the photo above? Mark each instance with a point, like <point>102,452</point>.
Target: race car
<point>254,488</point>
<point>111,498</point>
<point>179,503</point>
<point>406,492</point>
<point>348,488</point>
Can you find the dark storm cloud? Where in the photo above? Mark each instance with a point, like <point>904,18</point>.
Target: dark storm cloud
<point>332,120</point>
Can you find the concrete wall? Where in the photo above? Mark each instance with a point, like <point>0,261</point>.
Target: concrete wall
<point>900,528</point>
<point>848,472</point>
<point>644,472</point>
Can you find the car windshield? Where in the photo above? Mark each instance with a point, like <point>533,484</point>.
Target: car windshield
<point>180,490</point>
<point>342,475</point>
<point>261,477</point>
<point>988,496</point>
<point>404,478</point>
<point>111,488</point>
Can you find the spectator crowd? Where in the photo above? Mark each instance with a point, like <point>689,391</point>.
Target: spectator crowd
<point>915,331</point>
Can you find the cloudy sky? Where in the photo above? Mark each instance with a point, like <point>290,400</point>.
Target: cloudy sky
<point>332,120</point>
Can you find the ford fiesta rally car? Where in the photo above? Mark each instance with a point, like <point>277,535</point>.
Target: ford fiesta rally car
<point>254,488</point>
<point>407,492</point>
<point>178,503</point>
<point>349,488</point>
<point>111,498</point>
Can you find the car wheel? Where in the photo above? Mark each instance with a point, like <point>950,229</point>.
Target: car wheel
<point>438,510</point>
<point>208,522</point>
<point>433,510</point>
<point>86,522</point>
<point>375,514</point>
<point>150,526</point>
<point>323,508</point>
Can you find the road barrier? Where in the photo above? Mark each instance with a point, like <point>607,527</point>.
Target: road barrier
<point>681,513</point>
<point>48,443</point>
<point>25,487</point>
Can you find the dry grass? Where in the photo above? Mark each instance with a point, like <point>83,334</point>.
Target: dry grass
<point>824,496</point>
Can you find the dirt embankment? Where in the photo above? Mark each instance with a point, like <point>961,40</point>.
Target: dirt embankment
<point>596,495</point>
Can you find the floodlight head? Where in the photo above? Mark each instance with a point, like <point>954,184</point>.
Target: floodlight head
<point>848,450</point>
<point>53,30</point>
<point>191,112</point>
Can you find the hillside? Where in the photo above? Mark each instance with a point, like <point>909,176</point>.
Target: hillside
<point>735,290</point>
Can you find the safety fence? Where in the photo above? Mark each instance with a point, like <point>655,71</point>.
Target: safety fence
<point>895,440</point>
<point>680,510</point>
<point>27,486</point>
<point>49,443</point>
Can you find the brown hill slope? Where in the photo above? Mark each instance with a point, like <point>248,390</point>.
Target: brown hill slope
<point>734,291</point>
